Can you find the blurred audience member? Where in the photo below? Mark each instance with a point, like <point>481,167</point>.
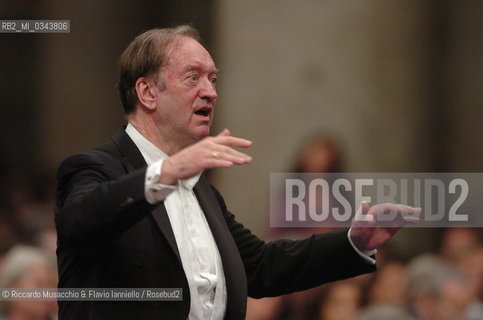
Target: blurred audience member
<point>388,284</point>
<point>27,210</point>
<point>457,242</point>
<point>471,264</point>
<point>446,288</point>
<point>464,248</point>
<point>341,300</point>
<point>8,234</point>
<point>383,312</point>
<point>437,290</point>
<point>318,154</point>
<point>20,203</point>
<point>28,267</point>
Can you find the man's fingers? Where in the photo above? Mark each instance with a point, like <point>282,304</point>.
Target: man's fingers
<point>397,215</point>
<point>386,215</point>
<point>409,214</point>
<point>218,163</point>
<point>236,159</point>
<point>364,207</point>
<point>225,138</point>
<point>213,152</point>
<point>408,209</point>
<point>361,216</point>
<point>398,208</point>
<point>412,220</point>
<point>232,141</point>
<point>231,154</point>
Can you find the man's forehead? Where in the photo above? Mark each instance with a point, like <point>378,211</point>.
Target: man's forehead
<point>189,54</point>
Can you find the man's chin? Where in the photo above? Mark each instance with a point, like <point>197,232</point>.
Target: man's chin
<point>201,133</point>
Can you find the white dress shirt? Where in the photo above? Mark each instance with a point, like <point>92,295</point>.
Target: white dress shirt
<point>197,248</point>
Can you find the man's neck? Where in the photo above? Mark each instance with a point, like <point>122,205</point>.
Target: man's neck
<point>164,141</point>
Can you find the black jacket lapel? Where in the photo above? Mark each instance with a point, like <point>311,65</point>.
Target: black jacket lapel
<point>162,220</point>
<point>131,156</point>
<point>133,160</point>
<point>232,263</point>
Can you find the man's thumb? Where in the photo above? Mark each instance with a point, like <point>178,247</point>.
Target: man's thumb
<point>224,132</point>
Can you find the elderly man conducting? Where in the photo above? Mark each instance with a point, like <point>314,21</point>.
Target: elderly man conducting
<point>137,212</point>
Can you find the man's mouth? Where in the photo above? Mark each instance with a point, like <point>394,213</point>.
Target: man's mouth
<point>205,111</point>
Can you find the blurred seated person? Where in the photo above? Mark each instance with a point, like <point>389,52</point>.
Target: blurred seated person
<point>341,300</point>
<point>437,290</point>
<point>383,312</point>
<point>28,267</point>
<point>389,284</point>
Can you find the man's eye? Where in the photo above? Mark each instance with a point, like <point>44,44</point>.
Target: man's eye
<point>193,77</point>
<point>213,80</point>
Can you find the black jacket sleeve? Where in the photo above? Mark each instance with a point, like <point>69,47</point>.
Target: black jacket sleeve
<point>284,266</point>
<point>97,200</point>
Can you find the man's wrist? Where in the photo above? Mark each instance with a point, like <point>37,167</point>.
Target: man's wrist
<point>153,190</point>
<point>167,175</point>
<point>365,254</point>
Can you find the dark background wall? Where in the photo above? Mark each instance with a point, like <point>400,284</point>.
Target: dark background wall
<point>398,81</point>
<point>58,91</point>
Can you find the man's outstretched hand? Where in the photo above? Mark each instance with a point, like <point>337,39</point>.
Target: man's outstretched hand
<point>211,152</point>
<point>374,226</point>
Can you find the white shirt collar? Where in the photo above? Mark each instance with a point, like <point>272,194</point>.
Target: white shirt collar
<point>151,153</point>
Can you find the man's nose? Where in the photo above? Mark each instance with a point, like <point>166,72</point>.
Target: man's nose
<point>208,90</point>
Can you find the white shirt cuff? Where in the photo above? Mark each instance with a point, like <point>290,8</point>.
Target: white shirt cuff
<point>364,255</point>
<point>154,191</point>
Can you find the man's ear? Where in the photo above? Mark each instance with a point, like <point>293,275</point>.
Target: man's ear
<point>147,93</point>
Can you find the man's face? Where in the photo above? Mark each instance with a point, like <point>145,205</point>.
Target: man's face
<point>186,105</point>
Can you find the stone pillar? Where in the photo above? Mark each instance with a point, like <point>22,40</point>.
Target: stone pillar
<point>355,69</point>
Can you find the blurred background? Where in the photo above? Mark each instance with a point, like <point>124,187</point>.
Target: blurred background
<point>393,86</point>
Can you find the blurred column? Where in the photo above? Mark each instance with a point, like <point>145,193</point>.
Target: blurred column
<point>19,105</point>
<point>464,94</point>
<point>80,108</point>
<point>356,69</point>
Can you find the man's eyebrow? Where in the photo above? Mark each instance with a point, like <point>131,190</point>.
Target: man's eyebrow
<point>193,67</point>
